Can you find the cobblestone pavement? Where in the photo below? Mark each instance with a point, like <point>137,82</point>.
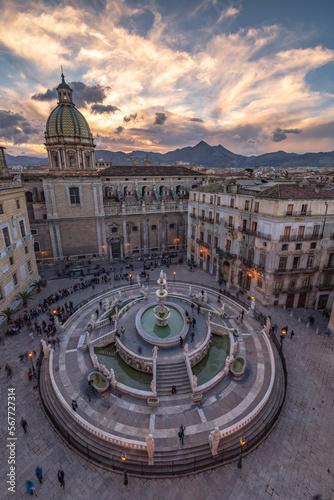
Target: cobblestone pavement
<point>294,462</point>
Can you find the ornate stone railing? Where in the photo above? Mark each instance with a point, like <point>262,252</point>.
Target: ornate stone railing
<point>111,438</point>
<point>199,353</point>
<point>138,362</point>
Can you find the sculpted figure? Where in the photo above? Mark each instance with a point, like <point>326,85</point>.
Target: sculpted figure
<point>214,438</point>
<point>150,448</point>
<point>194,382</point>
<point>155,351</point>
<point>186,349</point>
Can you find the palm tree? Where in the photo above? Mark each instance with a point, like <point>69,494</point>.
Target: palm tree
<point>8,313</point>
<point>39,284</point>
<point>24,297</point>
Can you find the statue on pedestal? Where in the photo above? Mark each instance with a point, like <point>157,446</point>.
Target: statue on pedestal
<point>194,382</point>
<point>155,351</point>
<point>150,448</point>
<point>214,438</point>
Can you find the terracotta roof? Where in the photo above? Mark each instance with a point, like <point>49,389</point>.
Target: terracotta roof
<point>295,192</point>
<point>151,171</point>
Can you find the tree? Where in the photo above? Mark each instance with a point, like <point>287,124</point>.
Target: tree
<point>39,284</point>
<point>24,297</point>
<point>8,313</point>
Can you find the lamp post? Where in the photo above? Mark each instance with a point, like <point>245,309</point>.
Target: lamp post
<point>242,443</point>
<point>174,275</point>
<point>32,364</point>
<point>123,457</point>
<point>130,276</point>
<point>283,333</point>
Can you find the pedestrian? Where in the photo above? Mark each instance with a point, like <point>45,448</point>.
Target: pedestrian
<point>100,304</point>
<point>24,425</point>
<point>61,478</point>
<point>192,306</point>
<point>242,314</point>
<point>194,321</point>
<point>173,389</point>
<point>97,313</point>
<point>122,330</point>
<point>34,350</point>
<point>110,320</point>
<point>30,487</point>
<point>192,336</point>
<point>39,474</point>
<point>198,309</point>
<point>181,341</point>
<point>74,405</point>
<point>181,434</point>
<point>292,334</point>
<point>30,375</point>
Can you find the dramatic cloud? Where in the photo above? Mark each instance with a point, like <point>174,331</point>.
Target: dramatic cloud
<point>119,130</point>
<point>160,118</point>
<point>15,127</point>
<point>49,95</point>
<point>199,120</point>
<point>128,118</point>
<point>100,109</point>
<point>280,135</point>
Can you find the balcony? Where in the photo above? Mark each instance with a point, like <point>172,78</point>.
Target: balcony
<point>10,248</point>
<point>258,234</point>
<point>300,237</point>
<point>300,270</point>
<point>246,262</point>
<point>204,244</point>
<point>26,238</point>
<point>325,287</point>
<point>227,225</point>
<point>225,253</point>
<point>298,214</point>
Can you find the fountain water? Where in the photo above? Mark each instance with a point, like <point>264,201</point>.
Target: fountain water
<point>161,312</point>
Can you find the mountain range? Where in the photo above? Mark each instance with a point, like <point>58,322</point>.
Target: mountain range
<point>201,154</point>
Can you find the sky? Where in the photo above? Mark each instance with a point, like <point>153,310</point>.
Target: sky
<point>255,76</point>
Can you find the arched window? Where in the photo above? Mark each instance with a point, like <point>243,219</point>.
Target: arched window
<point>36,246</point>
<point>28,196</point>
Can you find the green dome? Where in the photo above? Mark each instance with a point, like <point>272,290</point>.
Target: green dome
<point>65,120</point>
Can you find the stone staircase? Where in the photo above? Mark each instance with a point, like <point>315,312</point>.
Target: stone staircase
<point>172,373</point>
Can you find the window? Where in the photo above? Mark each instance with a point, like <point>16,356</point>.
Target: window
<point>230,221</point>
<point>22,228</point>
<point>228,245</point>
<point>194,196</point>
<point>34,232</point>
<point>11,261</point>
<point>295,262</point>
<point>36,246</point>
<point>289,210</point>
<point>232,203</point>
<point>15,279</point>
<point>301,231</point>
<point>310,260</point>
<point>298,246</point>
<point>193,232</point>
<point>244,224</point>
<point>306,281</point>
<point>6,236</point>
<point>1,209</point>
<point>313,245</point>
<point>17,203</point>
<point>262,261</point>
<point>216,243</point>
<point>211,200</point>
<point>303,210</point>
<point>217,218</point>
<point>171,226</point>
<point>218,200</point>
<point>209,239</point>
<point>287,231</point>
<point>153,227</point>
<point>26,249</point>
<point>293,283</point>
<point>29,266</point>
<point>316,230</point>
<point>74,196</point>
<point>257,206</point>
<point>194,213</point>
<point>203,214</point>
<point>134,229</point>
<point>285,247</point>
<point>246,204</point>
<point>203,198</point>
<point>114,230</point>
<point>210,215</point>
<point>260,283</point>
<point>278,285</point>
<point>254,227</point>
<point>201,236</point>
<point>282,263</point>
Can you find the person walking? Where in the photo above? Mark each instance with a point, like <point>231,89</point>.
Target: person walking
<point>194,321</point>
<point>30,487</point>
<point>181,341</point>
<point>74,405</point>
<point>192,336</point>
<point>292,334</point>
<point>39,473</point>
<point>181,434</point>
<point>24,425</point>
<point>198,309</point>
<point>61,478</point>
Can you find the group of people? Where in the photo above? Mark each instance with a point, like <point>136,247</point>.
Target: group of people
<point>30,486</point>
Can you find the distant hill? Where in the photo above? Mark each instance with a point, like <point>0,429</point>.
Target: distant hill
<point>201,154</point>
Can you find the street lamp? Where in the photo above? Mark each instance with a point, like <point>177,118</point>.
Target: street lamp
<point>283,333</point>
<point>174,272</point>
<point>130,276</point>
<point>32,364</point>
<point>242,443</point>
<point>126,482</point>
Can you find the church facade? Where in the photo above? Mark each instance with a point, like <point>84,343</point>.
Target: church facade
<point>77,211</point>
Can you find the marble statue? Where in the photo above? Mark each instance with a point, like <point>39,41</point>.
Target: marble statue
<point>190,291</point>
<point>155,351</point>
<point>214,438</point>
<point>186,349</point>
<point>194,382</point>
<point>153,386</point>
<point>150,448</point>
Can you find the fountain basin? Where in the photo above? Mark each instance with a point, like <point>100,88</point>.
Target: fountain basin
<point>99,382</point>
<point>238,367</point>
<point>162,336</point>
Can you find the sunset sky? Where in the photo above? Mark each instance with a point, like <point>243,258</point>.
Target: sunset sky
<point>253,75</point>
